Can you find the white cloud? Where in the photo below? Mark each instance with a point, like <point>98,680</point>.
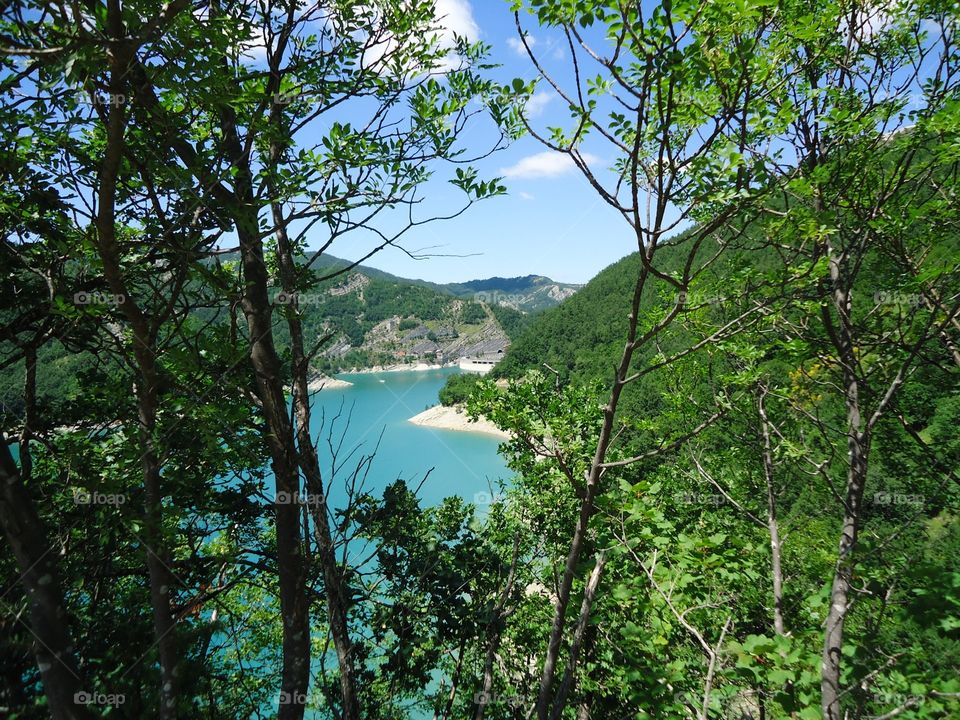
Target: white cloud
<point>255,49</point>
<point>525,195</point>
<point>456,17</point>
<point>543,165</point>
<point>867,22</point>
<point>453,18</point>
<point>516,44</point>
<point>538,103</point>
<point>553,48</point>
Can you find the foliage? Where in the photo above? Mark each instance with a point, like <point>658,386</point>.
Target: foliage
<point>512,321</point>
<point>788,364</point>
<point>458,388</point>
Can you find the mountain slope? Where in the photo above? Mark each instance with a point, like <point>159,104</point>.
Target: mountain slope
<point>580,337</point>
<point>379,321</point>
<point>528,293</point>
<point>375,317</point>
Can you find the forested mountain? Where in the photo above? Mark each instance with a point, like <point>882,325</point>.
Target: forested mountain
<point>745,445</point>
<point>373,319</point>
<point>480,315</point>
<point>528,294</point>
<point>580,337</point>
<point>367,316</point>
<point>366,319</point>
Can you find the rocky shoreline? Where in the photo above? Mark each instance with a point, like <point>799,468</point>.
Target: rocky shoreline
<point>398,367</point>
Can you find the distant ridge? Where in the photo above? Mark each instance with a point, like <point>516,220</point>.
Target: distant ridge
<point>526,293</point>
<point>524,282</point>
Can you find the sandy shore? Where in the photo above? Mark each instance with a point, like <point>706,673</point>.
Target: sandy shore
<point>451,418</point>
<point>327,383</point>
<point>399,367</point>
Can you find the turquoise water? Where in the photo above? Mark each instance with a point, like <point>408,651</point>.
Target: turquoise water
<point>458,463</point>
<point>379,406</point>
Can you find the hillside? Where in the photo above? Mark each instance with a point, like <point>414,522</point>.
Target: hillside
<point>526,294</point>
<point>582,338</point>
<point>379,318</point>
<point>579,337</point>
<point>379,321</point>
<point>375,318</point>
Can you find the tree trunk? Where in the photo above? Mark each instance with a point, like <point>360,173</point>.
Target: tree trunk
<point>841,336</point>
<point>49,624</point>
<point>495,633</point>
<point>839,592</point>
<point>241,207</point>
<point>336,595</point>
<point>773,526</point>
<point>579,633</point>
<point>294,607</point>
<point>578,542</point>
<point>160,578</point>
<point>158,558</point>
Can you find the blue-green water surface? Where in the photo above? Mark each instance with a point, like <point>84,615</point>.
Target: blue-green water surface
<point>379,406</point>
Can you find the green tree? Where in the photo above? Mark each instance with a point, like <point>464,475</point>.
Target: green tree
<point>678,95</point>
<point>212,141</point>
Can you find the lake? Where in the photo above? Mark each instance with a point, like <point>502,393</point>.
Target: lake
<point>459,463</point>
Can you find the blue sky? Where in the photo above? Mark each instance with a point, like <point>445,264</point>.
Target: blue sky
<point>551,222</point>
